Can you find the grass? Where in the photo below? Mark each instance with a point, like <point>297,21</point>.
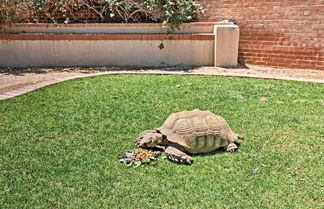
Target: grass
<point>59,144</point>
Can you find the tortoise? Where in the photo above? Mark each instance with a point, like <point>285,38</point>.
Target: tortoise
<point>190,132</point>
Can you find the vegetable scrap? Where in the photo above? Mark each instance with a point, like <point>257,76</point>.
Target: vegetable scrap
<point>139,156</point>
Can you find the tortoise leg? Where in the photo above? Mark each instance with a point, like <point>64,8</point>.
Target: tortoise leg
<point>176,155</point>
<point>231,147</point>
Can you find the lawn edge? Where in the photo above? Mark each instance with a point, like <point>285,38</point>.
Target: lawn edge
<point>32,87</point>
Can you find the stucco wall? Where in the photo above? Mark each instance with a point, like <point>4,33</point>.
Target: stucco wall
<point>60,53</point>
<point>48,45</point>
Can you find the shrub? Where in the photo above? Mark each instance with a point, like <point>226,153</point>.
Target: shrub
<point>171,13</point>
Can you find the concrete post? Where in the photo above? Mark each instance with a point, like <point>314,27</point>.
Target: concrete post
<point>226,45</point>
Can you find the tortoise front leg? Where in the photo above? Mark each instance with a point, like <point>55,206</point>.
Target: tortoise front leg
<point>231,147</point>
<point>176,155</point>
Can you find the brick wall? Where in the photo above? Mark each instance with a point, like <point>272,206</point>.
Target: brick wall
<point>281,33</point>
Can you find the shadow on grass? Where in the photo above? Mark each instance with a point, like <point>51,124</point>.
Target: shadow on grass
<point>216,152</point>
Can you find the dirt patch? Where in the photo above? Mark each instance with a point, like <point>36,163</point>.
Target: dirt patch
<point>263,99</point>
<point>12,79</point>
<point>240,96</point>
<point>300,101</point>
<point>268,71</point>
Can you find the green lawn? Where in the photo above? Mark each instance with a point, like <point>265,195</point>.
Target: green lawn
<point>59,144</point>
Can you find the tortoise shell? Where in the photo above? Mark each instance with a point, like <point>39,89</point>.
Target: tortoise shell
<point>197,131</point>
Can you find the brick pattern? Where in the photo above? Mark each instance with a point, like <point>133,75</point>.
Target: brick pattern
<point>95,37</point>
<point>94,25</point>
<point>279,33</point>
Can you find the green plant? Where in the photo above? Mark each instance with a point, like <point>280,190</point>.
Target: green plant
<point>171,13</point>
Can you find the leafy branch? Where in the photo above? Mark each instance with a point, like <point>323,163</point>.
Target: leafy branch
<point>171,13</point>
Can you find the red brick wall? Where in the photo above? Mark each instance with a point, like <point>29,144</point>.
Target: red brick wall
<point>281,33</point>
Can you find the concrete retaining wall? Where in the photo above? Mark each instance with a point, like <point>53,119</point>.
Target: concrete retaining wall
<point>105,53</point>
<point>117,45</point>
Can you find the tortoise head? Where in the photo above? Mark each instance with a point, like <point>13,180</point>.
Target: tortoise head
<point>151,139</point>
